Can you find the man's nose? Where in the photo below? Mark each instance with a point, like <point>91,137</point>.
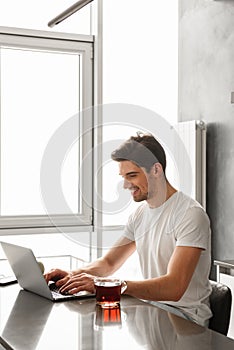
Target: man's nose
<point>126,184</point>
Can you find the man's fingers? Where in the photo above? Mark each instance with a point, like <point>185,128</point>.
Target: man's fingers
<point>55,275</point>
<point>79,283</point>
<point>62,281</point>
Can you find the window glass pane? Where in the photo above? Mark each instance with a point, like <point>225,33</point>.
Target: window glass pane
<point>51,245</point>
<point>146,53</point>
<point>34,103</point>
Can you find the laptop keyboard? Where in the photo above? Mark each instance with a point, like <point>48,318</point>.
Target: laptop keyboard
<point>55,291</point>
<point>54,288</point>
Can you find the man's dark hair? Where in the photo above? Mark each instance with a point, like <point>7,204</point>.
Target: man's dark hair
<point>143,150</point>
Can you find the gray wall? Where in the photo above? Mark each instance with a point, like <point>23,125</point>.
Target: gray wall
<point>206,80</point>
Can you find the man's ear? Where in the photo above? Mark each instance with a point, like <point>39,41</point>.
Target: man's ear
<point>157,168</point>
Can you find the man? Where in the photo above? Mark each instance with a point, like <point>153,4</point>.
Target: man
<point>170,231</point>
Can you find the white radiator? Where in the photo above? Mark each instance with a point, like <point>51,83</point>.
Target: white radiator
<point>193,135</point>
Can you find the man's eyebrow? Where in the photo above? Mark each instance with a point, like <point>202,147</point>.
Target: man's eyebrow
<point>130,173</point>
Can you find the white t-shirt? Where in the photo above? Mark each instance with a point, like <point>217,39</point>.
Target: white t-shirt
<point>180,221</point>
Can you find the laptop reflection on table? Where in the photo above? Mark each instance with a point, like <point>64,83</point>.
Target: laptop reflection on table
<point>28,317</point>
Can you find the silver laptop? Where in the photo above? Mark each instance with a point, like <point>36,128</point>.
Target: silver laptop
<point>30,276</point>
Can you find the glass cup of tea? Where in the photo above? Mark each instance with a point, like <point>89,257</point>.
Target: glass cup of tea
<point>108,291</point>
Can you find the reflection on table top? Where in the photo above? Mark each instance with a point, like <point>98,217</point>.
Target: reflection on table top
<point>30,322</point>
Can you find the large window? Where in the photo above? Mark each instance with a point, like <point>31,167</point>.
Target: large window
<point>46,129</point>
<point>134,64</point>
<point>140,67</point>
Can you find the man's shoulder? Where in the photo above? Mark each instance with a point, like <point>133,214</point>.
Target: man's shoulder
<point>186,210</point>
<point>186,201</point>
<point>191,211</point>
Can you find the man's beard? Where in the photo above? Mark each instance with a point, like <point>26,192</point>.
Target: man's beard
<point>140,198</point>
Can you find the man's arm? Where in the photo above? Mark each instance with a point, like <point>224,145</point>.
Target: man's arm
<point>82,279</point>
<point>112,260</point>
<point>174,283</point>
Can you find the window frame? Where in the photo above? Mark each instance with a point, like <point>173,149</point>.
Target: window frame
<point>60,42</point>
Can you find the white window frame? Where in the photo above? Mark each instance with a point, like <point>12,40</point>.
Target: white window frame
<point>61,42</point>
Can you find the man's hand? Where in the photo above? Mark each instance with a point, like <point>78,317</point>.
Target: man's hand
<point>58,276</point>
<point>77,283</point>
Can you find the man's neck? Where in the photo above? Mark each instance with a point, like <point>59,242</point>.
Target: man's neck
<point>166,191</point>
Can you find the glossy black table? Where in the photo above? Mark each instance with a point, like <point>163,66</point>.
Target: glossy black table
<point>29,322</point>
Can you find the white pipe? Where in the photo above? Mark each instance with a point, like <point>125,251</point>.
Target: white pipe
<point>65,14</point>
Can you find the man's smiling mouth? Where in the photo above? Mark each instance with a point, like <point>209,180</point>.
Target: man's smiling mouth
<point>134,191</point>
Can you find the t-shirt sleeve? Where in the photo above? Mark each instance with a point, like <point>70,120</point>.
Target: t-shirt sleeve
<point>194,229</point>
